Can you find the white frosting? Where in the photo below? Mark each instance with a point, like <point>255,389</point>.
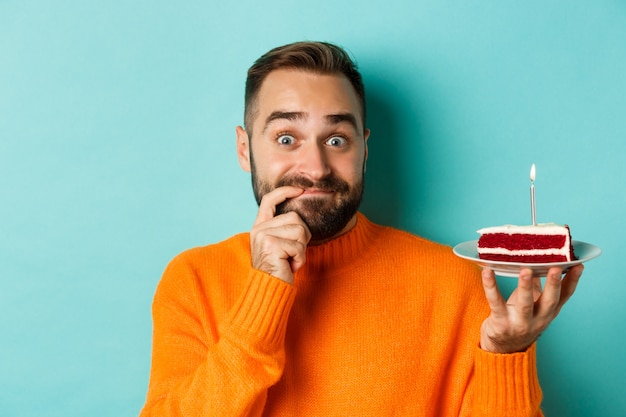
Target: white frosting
<point>539,229</point>
<point>564,251</point>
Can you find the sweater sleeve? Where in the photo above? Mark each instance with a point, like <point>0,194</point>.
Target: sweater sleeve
<point>505,385</point>
<point>221,371</point>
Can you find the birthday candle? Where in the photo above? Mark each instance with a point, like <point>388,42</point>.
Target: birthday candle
<point>532,194</point>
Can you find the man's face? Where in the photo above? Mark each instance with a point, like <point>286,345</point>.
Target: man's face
<point>308,133</point>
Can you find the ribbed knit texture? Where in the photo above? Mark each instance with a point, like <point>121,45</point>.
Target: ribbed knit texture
<point>378,323</point>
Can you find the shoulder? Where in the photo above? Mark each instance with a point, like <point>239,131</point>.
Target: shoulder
<point>193,267</point>
<point>236,245</point>
<point>396,239</point>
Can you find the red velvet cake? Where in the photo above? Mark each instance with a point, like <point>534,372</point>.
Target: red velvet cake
<point>542,243</point>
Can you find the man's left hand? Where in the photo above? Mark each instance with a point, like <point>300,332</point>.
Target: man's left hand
<point>516,323</point>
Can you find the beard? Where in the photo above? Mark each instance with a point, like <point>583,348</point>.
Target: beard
<point>325,217</point>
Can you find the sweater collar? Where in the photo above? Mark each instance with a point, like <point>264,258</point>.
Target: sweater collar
<point>342,249</point>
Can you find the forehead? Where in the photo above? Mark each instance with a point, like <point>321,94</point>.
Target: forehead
<point>315,94</point>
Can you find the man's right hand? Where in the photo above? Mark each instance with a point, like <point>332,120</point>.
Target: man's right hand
<point>278,243</point>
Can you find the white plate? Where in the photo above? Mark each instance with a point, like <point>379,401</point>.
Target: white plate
<point>468,250</point>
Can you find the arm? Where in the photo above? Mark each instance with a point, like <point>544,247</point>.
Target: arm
<point>505,377</point>
<point>225,374</point>
<point>225,367</point>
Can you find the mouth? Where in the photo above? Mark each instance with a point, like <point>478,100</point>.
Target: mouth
<point>316,192</point>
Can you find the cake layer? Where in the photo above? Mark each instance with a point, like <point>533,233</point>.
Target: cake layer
<point>522,241</point>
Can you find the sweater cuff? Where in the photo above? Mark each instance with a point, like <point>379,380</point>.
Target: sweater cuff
<point>260,314</point>
<point>507,384</point>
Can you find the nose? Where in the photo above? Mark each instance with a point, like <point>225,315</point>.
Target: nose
<point>313,162</point>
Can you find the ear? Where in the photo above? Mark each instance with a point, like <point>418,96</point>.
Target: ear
<point>366,135</point>
<point>243,148</point>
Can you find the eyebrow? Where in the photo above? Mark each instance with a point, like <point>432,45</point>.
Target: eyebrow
<point>284,115</point>
<point>333,119</point>
<point>336,119</point>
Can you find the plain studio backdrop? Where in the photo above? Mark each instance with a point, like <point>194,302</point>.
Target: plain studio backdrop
<point>117,151</point>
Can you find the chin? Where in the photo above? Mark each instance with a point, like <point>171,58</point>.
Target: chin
<point>325,219</point>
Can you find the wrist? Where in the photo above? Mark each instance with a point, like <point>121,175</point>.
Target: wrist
<point>493,345</point>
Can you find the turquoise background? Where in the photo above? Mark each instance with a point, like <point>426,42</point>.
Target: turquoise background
<point>117,151</point>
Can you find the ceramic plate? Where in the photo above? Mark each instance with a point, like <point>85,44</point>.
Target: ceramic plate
<point>468,250</point>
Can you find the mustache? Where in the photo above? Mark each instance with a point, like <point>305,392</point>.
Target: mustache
<point>328,183</point>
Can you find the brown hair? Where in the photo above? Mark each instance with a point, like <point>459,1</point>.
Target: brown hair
<point>317,57</point>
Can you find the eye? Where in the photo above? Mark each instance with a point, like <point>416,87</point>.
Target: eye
<point>336,141</point>
<point>286,140</point>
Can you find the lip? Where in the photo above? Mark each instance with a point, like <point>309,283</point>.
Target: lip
<point>316,192</point>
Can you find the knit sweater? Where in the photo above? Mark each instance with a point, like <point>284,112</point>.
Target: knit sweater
<point>378,322</point>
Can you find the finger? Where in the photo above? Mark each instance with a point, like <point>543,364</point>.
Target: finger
<point>525,299</point>
<point>492,293</point>
<point>301,229</point>
<point>267,208</point>
<point>290,220</point>
<point>288,226</point>
<point>279,257</point>
<point>291,251</point>
<point>549,300</point>
<point>537,288</point>
<point>297,261</point>
<point>569,284</point>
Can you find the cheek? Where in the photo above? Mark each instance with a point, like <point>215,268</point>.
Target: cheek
<point>271,167</point>
<point>350,168</point>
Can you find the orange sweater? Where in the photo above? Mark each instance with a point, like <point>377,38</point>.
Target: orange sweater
<point>378,322</point>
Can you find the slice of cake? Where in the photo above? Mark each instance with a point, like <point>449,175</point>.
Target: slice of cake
<point>541,243</point>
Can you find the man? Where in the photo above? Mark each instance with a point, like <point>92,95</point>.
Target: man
<point>319,312</point>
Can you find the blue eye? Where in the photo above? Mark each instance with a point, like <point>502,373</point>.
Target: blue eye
<point>286,140</point>
<point>336,141</point>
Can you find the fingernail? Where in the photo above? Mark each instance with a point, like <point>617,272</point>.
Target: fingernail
<point>526,274</point>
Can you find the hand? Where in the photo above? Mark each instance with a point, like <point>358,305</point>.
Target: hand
<point>515,324</point>
<point>278,243</point>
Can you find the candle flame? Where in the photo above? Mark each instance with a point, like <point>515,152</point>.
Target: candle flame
<point>532,173</point>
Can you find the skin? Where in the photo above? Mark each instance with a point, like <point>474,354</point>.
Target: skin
<point>294,134</point>
<point>308,125</point>
<point>516,323</point>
